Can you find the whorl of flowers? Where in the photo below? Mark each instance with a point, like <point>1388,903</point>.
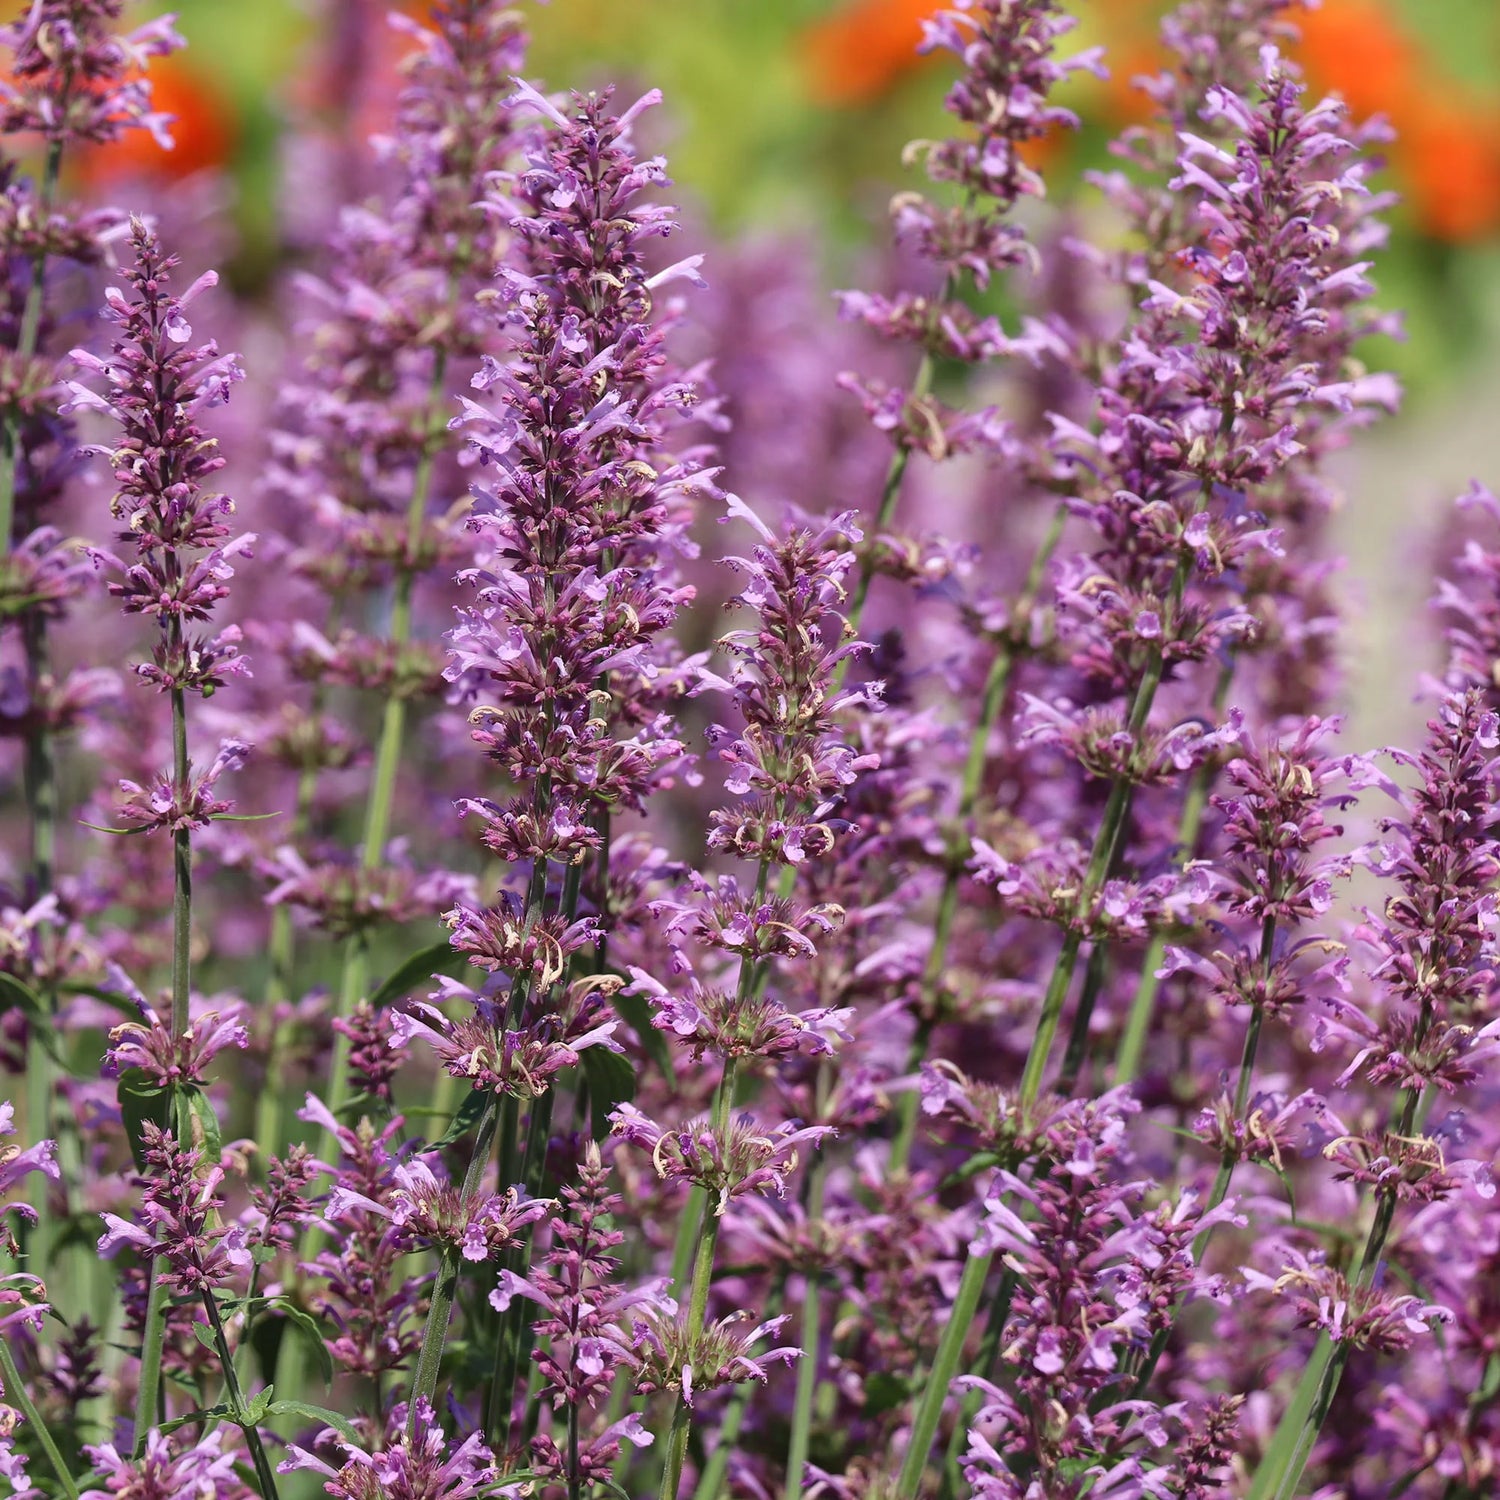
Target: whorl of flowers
<point>414,1464</point>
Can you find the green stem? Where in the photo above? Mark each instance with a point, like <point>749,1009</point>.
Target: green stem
<point>388,749</point>
<point>1189,824</point>
<point>996,686</point>
<point>711,1480</point>
<point>812,1309</point>
<point>1280,1473</point>
<point>270,1109</point>
<point>940,1378</point>
<point>148,1395</point>
<point>263,1470</point>
<point>703,1270</point>
<point>1095,972</point>
<point>890,493</point>
<point>15,1390</point>
<point>435,1332</point>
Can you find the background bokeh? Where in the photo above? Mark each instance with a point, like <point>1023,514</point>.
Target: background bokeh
<point>792,114</point>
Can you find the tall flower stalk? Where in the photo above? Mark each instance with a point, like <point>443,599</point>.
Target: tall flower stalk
<point>157,384</point>
<point>572,591</point>
<point>74,81</point>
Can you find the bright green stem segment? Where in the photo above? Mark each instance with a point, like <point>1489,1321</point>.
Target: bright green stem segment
<point>388,749</point>
<point>263,1471</point>
<point>890,494</point>
<point>703,1270</point>
<point>996,685</point>
<point>812,1320</point>
<point>944,1368</point>
<point>435,1333</point>
<point>1280,1473</point>
<point>711,1480</point>
<point>1189,824</point>
<point>148,1395</point>
<point>16,1391</point>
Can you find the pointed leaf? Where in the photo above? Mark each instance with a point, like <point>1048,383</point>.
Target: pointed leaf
<point>437,958</point>
<point>465,1118</point>
<point>340,1424</point>
<point>141,1100</point>
<point>309,1325</point>
<point>611,1081</point>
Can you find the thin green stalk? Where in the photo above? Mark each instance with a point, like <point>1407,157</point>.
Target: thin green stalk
<point>1095,972</point>
<point>890,490</point>
<point>270,1109</point>
<point>711,1480</point>
<point>703,1270</point>
<point>1189,825</point>
<point>812,1311</point>
<point>940,1378</point>
<point>1280,1472</point>
<point>263,1471</point>
<point>382,793</point>
<point>148,1394</point>
<point>435,1332</point>
<point>15,1390</point>
<point>996,686</point>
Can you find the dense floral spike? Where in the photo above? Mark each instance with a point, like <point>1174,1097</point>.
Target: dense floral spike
<point>364,484</point>
<point>157,385</point>
<point>587,1323</point>
<point>574,588</point>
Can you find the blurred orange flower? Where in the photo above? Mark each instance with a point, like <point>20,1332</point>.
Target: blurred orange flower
<point>1446,155</point>
<point>858,52</point>
<point>206,130</point>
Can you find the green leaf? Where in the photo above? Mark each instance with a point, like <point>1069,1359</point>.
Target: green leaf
<point>611,1081</point>
<point>310,1413</point>
<point>635,1012</point>
<point>884,1392</point>
<point>437,958</point>
<point>142,1100</point>
<point>304,1320</point>
<point>16,994</point>
<point>465,1118</point>
<point>207,1122</point>
<point>205,1336</point>
<point>222,1412</point>
<point>256,1408</point>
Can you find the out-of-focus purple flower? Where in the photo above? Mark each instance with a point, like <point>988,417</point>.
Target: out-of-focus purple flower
<point>74,78</point>
<point>168,1466</point>
<point>16,1163</point>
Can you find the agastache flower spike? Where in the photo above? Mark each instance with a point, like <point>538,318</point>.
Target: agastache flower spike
<point>72,79</point>
<point>158,383</point>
